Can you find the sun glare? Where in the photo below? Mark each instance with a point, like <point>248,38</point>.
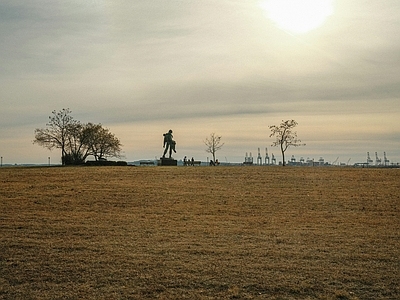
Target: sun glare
<point>298,16</point>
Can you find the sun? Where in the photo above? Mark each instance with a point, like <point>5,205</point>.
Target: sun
<point>298,16</point>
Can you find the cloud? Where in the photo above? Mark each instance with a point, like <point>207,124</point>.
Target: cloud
<point>48,38</point>
<point>200,66</point>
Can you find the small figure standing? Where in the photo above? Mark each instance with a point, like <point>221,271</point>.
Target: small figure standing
<point>169,143</point>
<point>185,161</point>
<point>192,161</point>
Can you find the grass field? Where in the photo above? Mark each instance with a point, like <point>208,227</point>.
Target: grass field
<point>199,233</point>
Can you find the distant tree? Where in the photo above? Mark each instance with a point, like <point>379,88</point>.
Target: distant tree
<point>57,132</point>
<point>77,141</point>
<point>285,137</point>
<point>213,143</point>
<point>101,142</point>
<point>77,147</point>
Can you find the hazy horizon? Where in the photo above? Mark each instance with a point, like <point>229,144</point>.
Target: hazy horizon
<point>141,68</point>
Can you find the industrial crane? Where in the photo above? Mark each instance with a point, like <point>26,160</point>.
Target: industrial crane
<point>385,159</point>
<point>369,160</point>
<point>378,161</point>
<point>266,157</point>
<point>259,158</point>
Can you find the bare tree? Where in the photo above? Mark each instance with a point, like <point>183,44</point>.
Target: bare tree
<point>213,144</point>
<point>285,136</point>
<point>56,134</point>
<point>76,147</point>
<point>101,142</point>
<point>77,141</point>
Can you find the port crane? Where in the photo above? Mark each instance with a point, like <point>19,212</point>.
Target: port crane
<point>385,159</point>
<point>378,161</point>
<point>369,160</point>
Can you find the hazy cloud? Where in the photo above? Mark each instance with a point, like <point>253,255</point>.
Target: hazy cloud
<point>200,66</point>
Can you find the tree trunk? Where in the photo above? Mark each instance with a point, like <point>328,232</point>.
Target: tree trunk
<point>283,156</point>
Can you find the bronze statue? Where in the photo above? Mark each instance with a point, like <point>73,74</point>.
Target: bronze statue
<point>169,143</point>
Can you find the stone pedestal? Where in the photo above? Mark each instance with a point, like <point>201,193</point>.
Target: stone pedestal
<point>168,162</point>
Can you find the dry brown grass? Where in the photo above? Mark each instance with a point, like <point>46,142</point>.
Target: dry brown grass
<point>199,233</point>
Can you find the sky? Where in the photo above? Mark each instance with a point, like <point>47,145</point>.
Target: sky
<point>142,67</point>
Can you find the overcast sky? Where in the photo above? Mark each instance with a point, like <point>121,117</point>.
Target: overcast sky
<point>142,67</point>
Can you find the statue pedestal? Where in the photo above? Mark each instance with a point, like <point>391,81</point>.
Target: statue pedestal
<point>168,162</point>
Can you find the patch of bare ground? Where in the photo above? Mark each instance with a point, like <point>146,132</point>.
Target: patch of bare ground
<point>199,233</point>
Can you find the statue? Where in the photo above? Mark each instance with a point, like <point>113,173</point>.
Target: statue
<point>169,143</point>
